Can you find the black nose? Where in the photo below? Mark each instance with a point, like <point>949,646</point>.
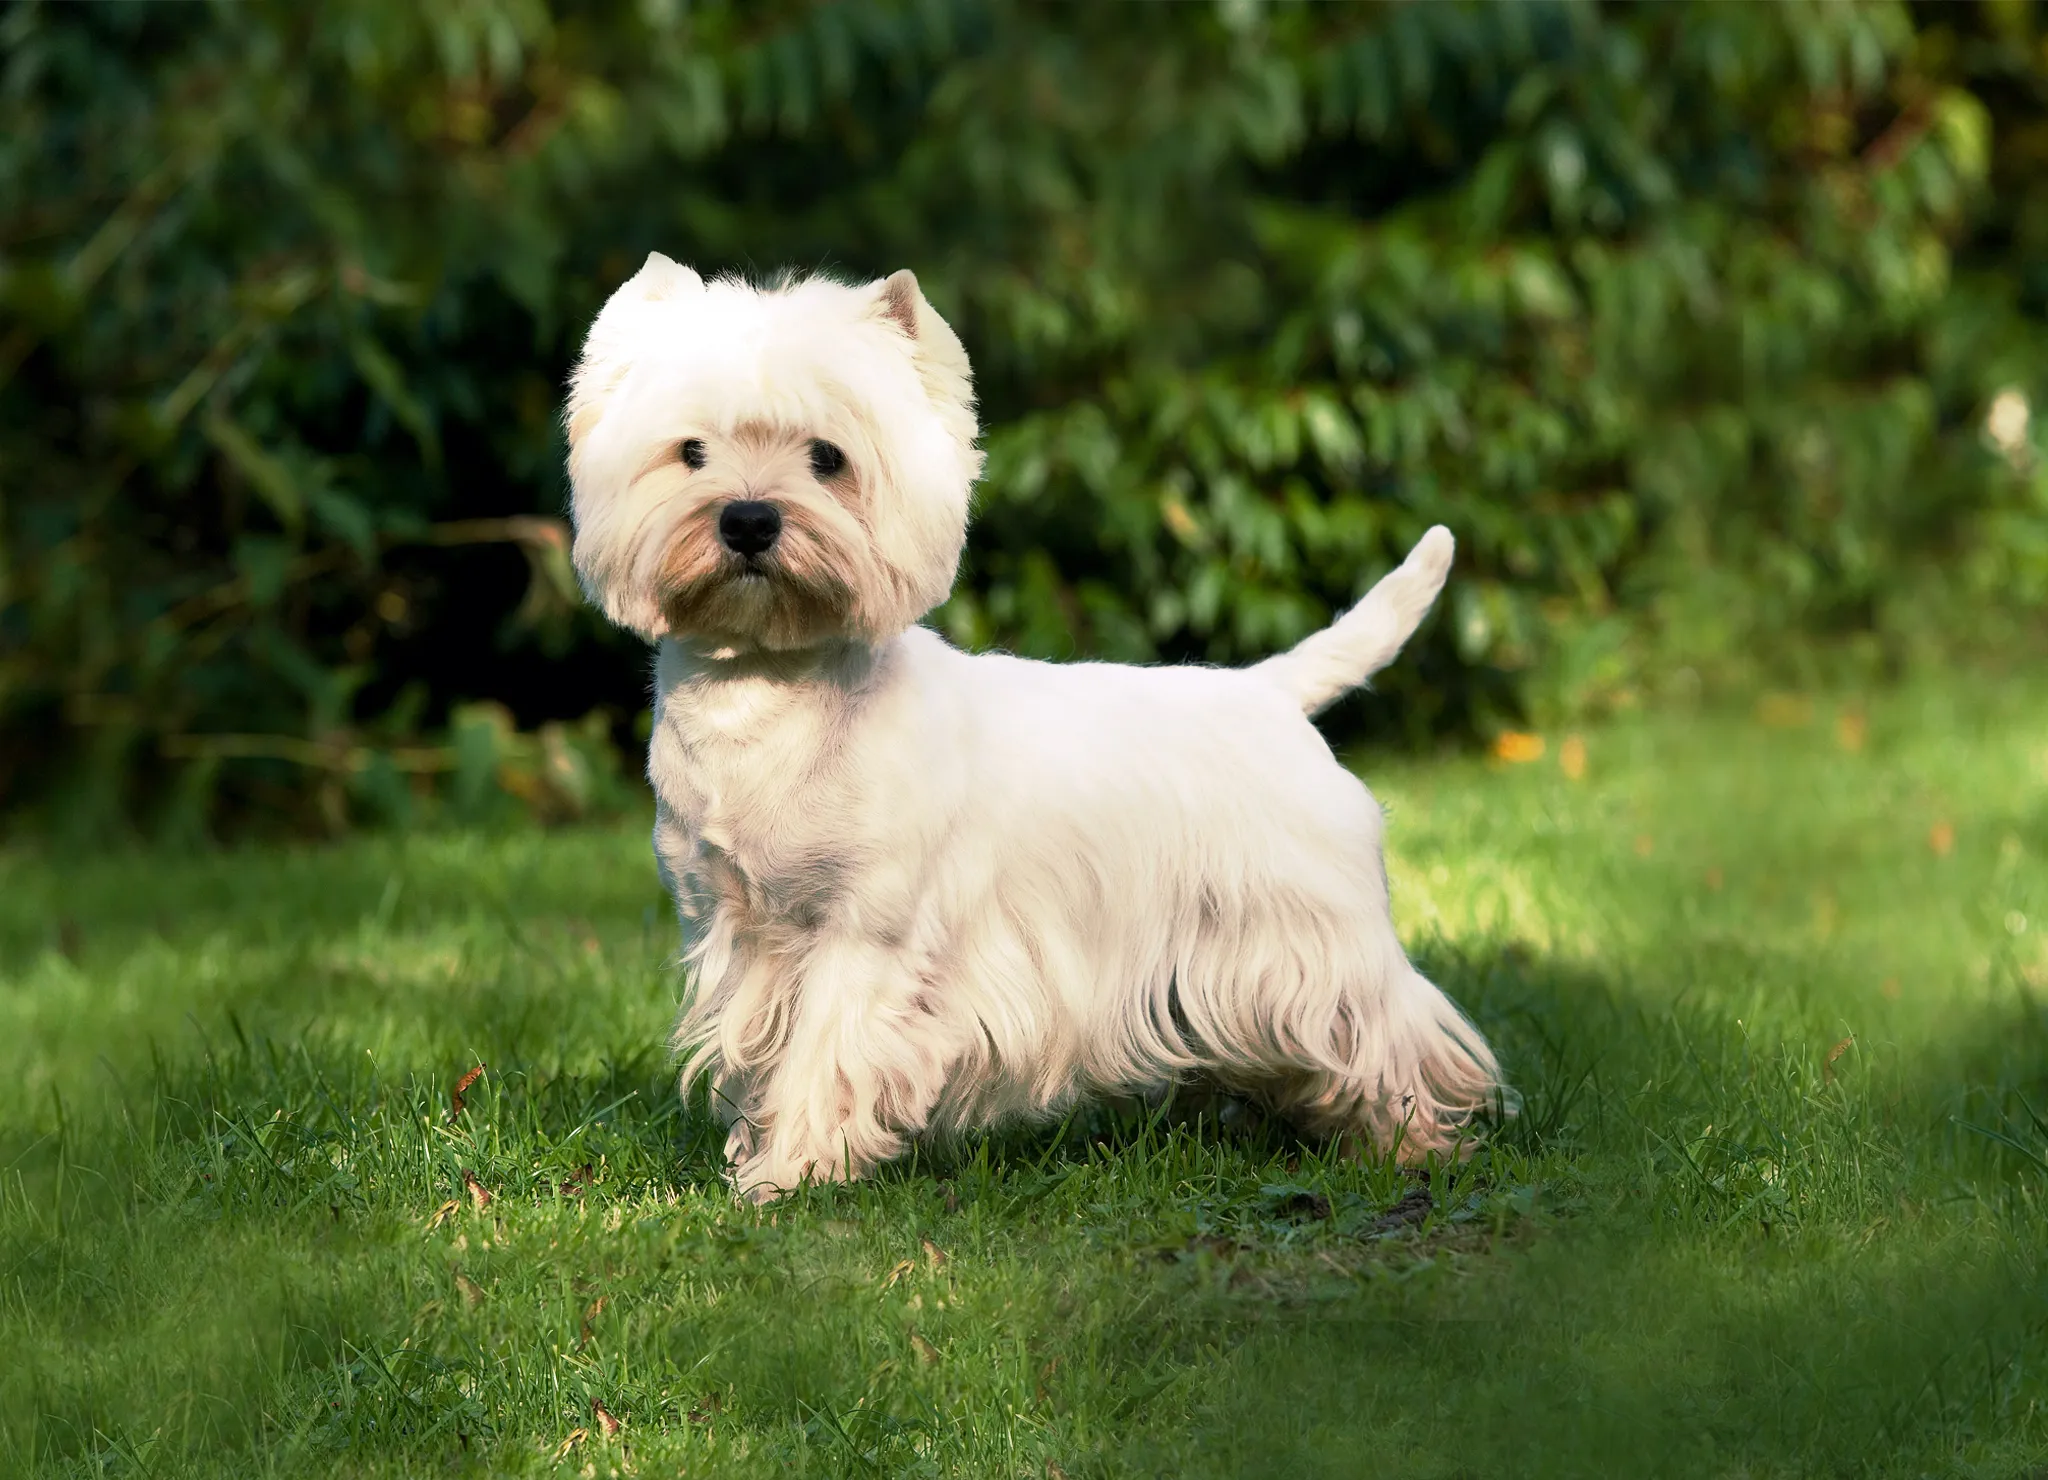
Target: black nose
<point>749,526</point>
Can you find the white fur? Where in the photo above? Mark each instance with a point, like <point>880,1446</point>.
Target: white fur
<point>923,890</point>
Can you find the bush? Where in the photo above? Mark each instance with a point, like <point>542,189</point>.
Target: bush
<point>1710,329</point>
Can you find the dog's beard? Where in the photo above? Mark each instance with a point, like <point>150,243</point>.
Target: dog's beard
<point>802,591</point>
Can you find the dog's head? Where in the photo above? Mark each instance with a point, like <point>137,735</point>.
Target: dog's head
<point>769,467</point>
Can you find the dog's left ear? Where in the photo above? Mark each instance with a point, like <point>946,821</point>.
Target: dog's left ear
<point>899,300</point>
<point>936,350</point>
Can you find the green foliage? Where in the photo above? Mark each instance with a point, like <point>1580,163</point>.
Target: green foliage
<point>1689,320</point>
<point>1774,1206</point>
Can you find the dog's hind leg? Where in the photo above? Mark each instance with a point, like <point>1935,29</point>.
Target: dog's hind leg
<point>858,1077</point>
<point>1328,1022</point>
<point>1403,1069</point>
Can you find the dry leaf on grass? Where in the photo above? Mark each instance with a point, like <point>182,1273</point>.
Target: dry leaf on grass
<point>1785,711</point>
<point>926,1352</point>
<point>1517,747</point>
<point>576,1436</point>
<point>462,1088</point>
<point>1827,1068</point>
<point>707,1408</point>
<point>934,1255</point>
<point>443,1213</point>
<point>1045,1376</point>
<point>902,1268</point>
<point>472,1292</point>
<point>606,1424</point>
<point>479,1195</point>
<point>595,1310</point>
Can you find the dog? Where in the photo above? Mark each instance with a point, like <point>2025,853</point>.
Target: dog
<point>923,890</point>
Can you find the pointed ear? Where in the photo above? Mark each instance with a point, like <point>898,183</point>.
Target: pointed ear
<point>899,300</point>
<point>935,349</point>
<point>660,277</point>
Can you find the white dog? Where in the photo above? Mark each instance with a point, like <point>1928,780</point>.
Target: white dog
<point>922,890</point>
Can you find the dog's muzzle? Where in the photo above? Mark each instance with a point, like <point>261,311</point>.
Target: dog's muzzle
<point>749,526</point>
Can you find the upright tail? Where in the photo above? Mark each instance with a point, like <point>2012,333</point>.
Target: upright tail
<point>1367,638</point>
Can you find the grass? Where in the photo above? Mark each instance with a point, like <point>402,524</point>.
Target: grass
<point>1777,1205</point>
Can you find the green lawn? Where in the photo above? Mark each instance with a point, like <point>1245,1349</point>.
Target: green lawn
<point>1777,1205</point>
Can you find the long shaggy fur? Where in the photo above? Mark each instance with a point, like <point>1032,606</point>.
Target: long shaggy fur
<point>922,890</point>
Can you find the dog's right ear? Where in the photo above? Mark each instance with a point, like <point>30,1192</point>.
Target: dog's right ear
<point>658,280</point>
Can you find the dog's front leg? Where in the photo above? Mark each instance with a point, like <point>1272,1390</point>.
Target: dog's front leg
<point>735,1101</point>
<point>863,1065</point>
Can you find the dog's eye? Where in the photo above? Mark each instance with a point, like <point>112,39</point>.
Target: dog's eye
<point>826,459</point>
<point>693,453</point>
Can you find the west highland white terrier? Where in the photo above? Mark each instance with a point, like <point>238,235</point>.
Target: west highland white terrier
<point>923,890</point>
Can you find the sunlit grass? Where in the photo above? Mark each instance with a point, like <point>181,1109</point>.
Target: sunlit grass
<point>1775,1206</point>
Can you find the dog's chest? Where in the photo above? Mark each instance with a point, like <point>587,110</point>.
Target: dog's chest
<point>742,768</point>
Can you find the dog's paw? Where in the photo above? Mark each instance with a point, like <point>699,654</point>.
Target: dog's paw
<point>740,1142</point>
<point>772,1174</point>
<point>760,1179</point>
<point>756,1192</point>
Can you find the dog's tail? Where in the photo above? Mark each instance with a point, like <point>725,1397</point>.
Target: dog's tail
<point>1329,663</point>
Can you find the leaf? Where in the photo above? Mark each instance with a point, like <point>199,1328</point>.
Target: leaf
<point>461,1088</point>
<point>707,1408</point>
<point>1785,711</point>
<point>345,517</point>
<point>265,472</point>
<point>1964,127</point>
<point>266,564</point>
<point>1517,748</point>
<point>2003,1138</point>
<point>382,374</point>
<point>479,1196</point>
